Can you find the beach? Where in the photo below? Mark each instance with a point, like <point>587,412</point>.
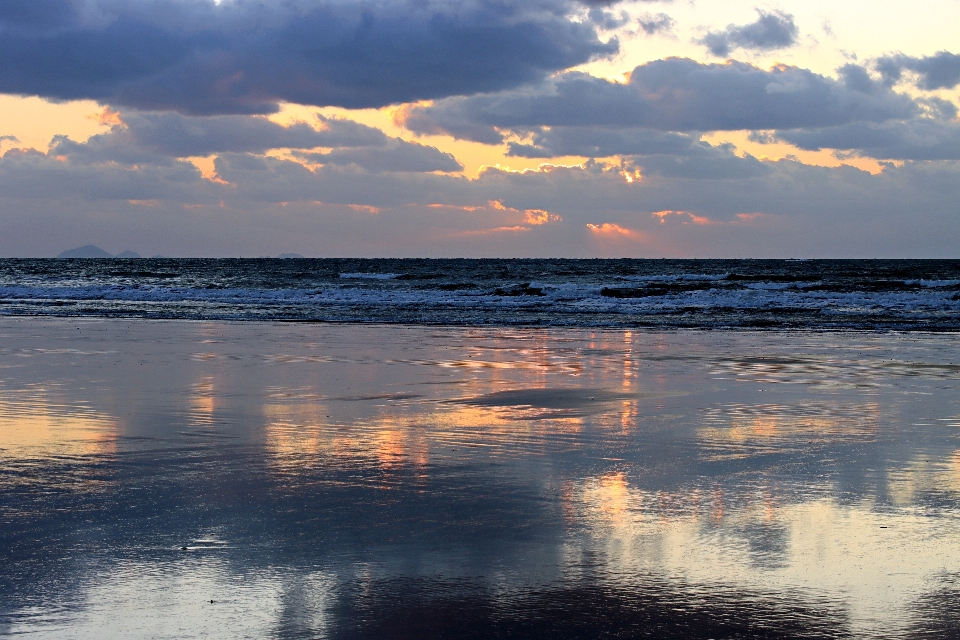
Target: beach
<point>259,479</point>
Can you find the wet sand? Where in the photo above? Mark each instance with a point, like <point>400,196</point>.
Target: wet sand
<point>188,479</point>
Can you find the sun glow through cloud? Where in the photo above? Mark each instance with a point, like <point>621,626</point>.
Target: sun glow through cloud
<point>610,229</point>
<point>694,218</point>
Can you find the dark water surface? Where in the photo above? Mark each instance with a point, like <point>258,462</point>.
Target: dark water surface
<point>804,294</point>
<point>178,479</point>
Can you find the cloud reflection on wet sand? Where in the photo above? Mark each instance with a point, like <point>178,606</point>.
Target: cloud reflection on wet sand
<point>363,481</point>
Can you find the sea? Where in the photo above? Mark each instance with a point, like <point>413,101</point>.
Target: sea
<point>903,295</point>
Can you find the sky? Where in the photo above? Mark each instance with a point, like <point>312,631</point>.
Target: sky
<point>481,128</point>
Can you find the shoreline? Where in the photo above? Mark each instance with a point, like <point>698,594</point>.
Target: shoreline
<point>531,326</point>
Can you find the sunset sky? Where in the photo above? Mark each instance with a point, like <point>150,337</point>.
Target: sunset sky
<point>471,128</point>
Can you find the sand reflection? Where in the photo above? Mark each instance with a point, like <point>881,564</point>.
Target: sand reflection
<point>878,563</point>
<point>294,433</point>
<point>203,401</point>
<point>40,422</point>
<point>371,480</point>
<point>740,430</point>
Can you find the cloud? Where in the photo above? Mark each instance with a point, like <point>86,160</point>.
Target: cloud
<point>37,13</point>
<point>717,163</point>
<point>138,136</point>
<point>238,57</point>
<point>32,175</point>
<point>920,139</point>
<point>397,155</point>
<point>857,78</point>
<point>653,24</point>
<point>939,71</point>
<point>771,31</point>
<point>931,133</point>
<point>158,138</point>
<point>269,203</point>
<point>655,152</point>
<point>601,142</point>
<point>689,217</point>
<point>675,94</point>
<point>608,19</point>
<point>612,229</point>
<point>375,195</point>
<point>608,3</point>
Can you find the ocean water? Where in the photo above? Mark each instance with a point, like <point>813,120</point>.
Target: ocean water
<point>808,294</point>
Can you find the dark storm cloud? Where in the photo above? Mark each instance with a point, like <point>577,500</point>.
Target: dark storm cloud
<point>675,94</point>
<point>656,23</point>
<point>939,71</point>
<point>774,30</point>
<point>397,155</point>
<point>243,56</point>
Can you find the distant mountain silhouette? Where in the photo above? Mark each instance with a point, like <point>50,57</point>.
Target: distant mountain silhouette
<point>86,251</point>
<point>289,255</point>
<point>128,254</point>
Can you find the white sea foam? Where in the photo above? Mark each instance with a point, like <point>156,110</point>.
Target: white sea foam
<point>496,292</point>
<point>371,276</point>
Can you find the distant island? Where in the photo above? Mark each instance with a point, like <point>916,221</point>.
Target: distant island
<point>93,251</point>
<point>86,251</point>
